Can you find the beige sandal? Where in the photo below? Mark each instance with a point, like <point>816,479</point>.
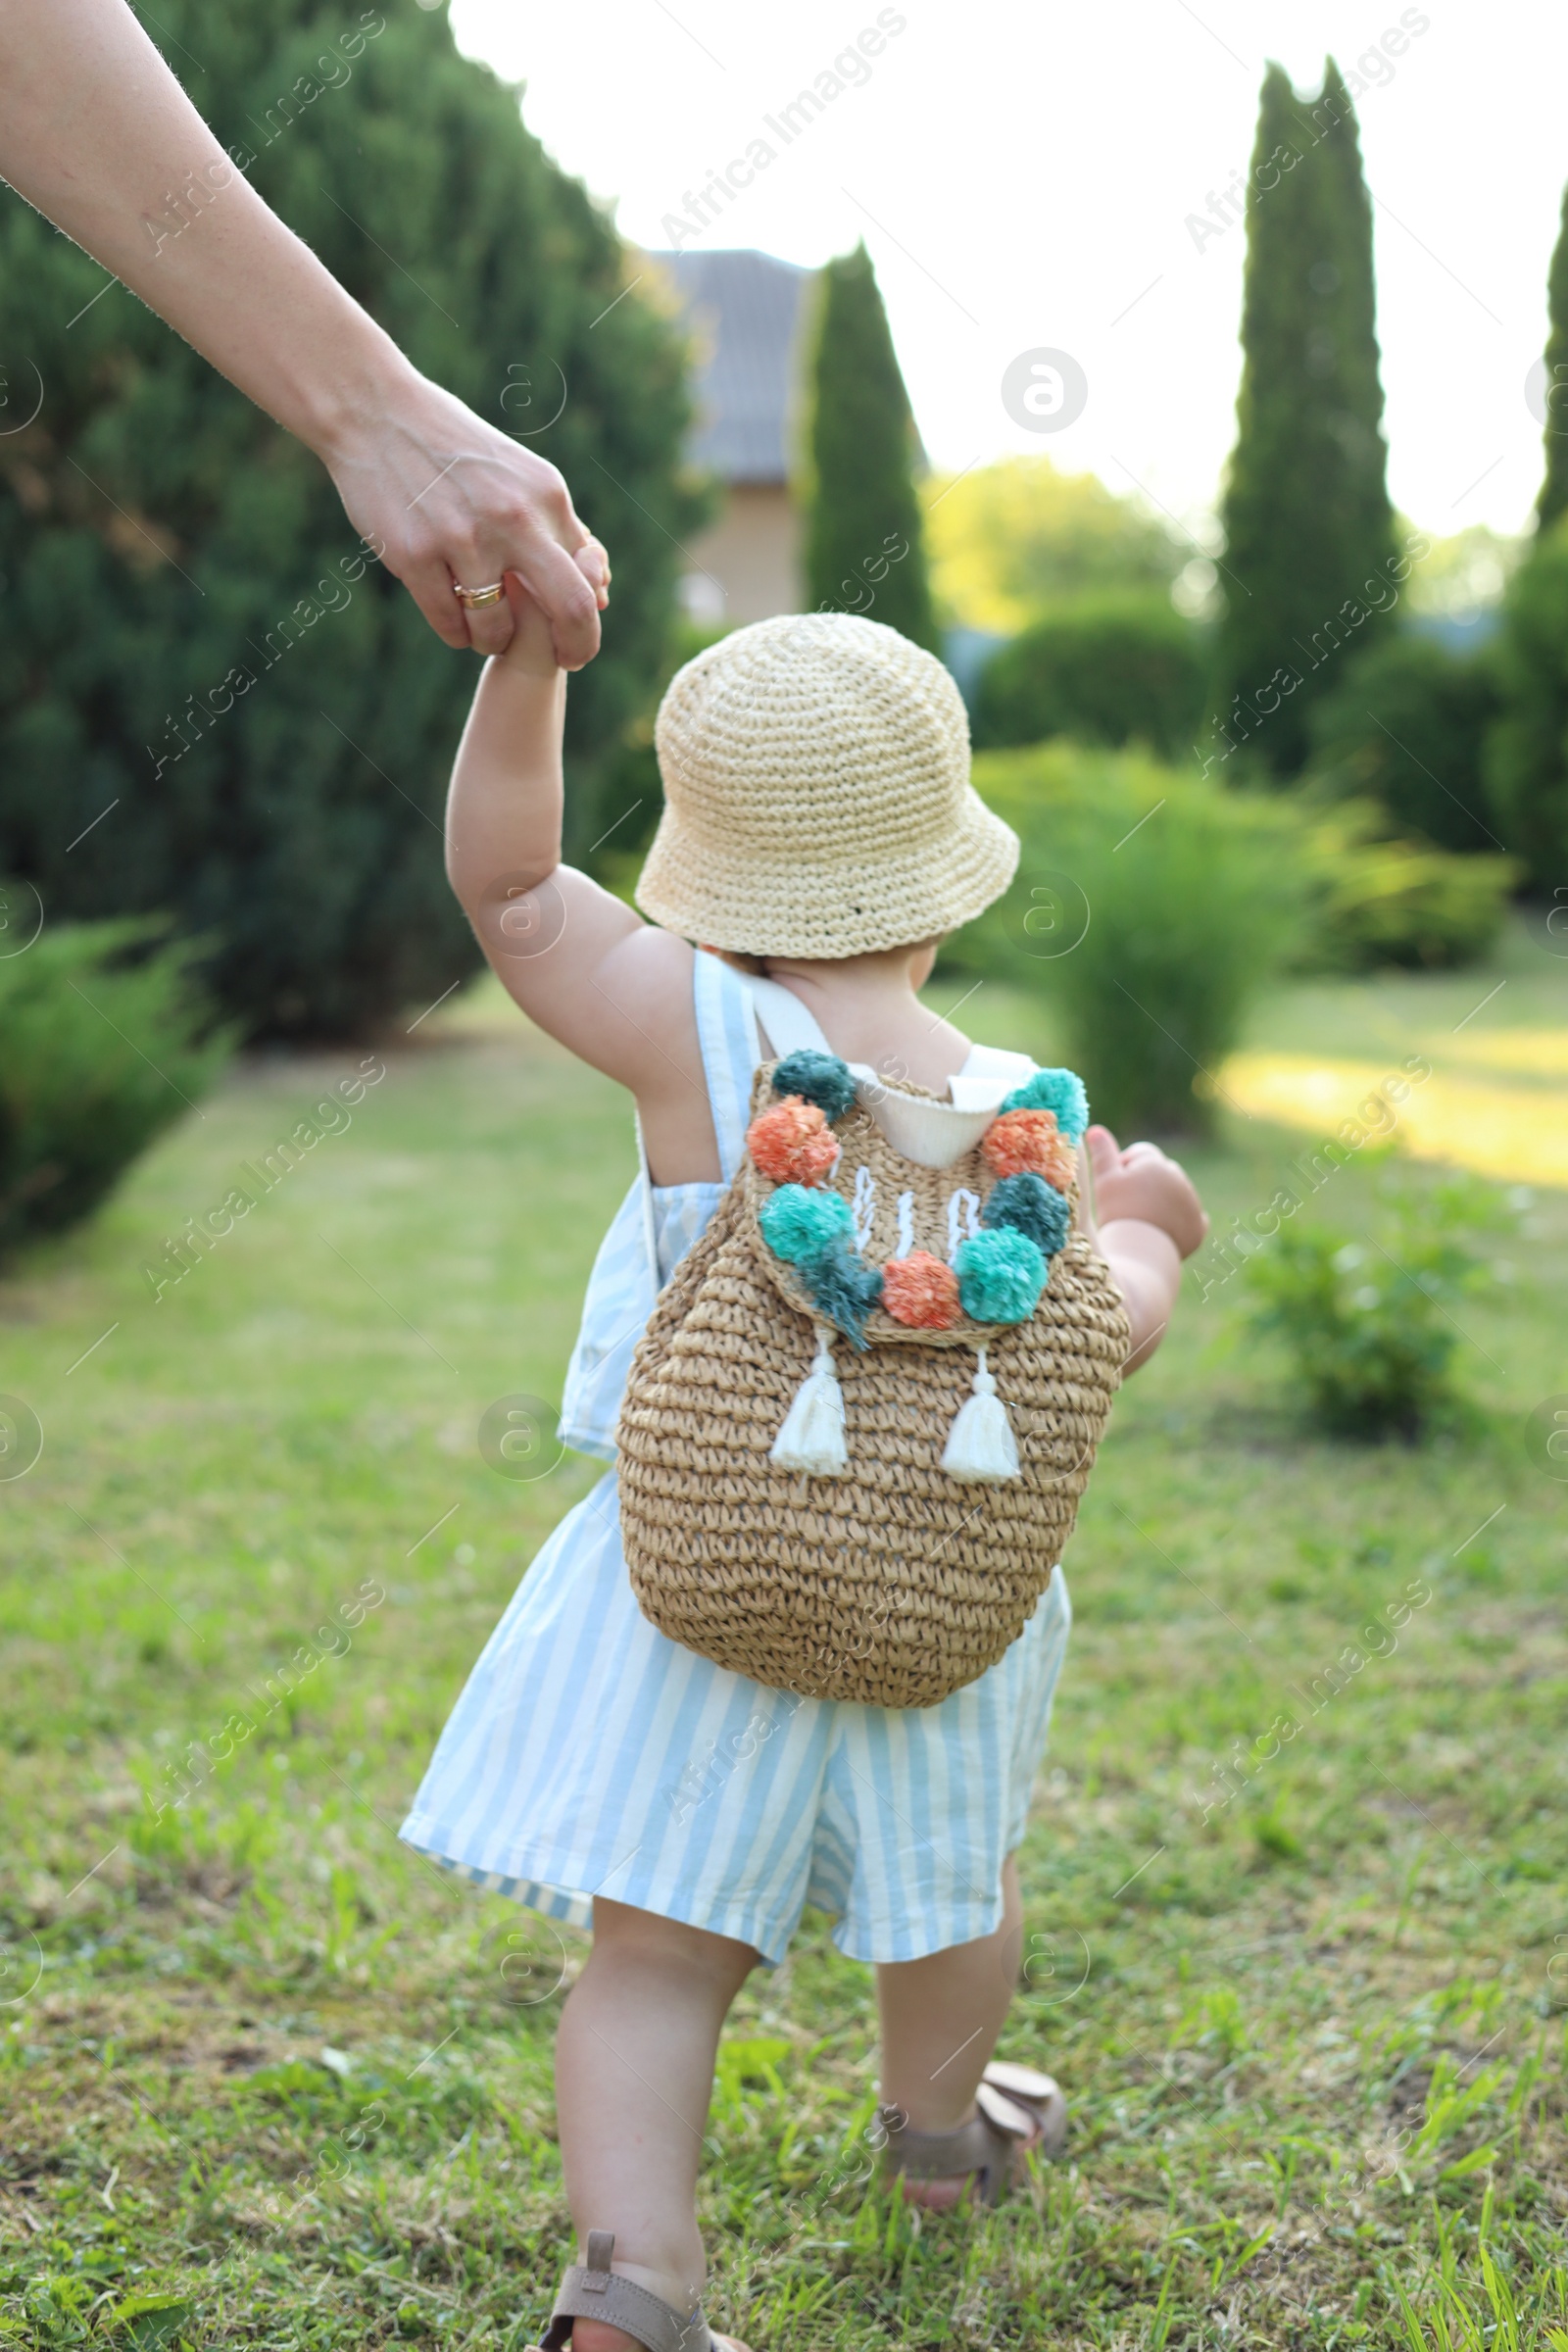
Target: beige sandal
<point>1022,2113</point>
<point>590,2290</point>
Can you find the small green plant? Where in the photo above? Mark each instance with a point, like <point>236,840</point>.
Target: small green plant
<point>105,1041</point>
<point>1368,1319</point>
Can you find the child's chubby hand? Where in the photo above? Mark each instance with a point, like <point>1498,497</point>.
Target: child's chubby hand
<point>1141,1182</point>
<point>531,651</point>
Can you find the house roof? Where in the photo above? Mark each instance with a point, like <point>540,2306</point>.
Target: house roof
<point>745,311</point>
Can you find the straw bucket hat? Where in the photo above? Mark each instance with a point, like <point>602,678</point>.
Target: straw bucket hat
<point>817,800</point>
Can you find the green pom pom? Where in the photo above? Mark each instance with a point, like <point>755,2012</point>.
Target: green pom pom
<point>799,1222</point>
<point>844,1289</point>
<point>1057,1091</point>
<point>819,1078</point>
<point>1027,1204</point>
<point>1000,1274</point>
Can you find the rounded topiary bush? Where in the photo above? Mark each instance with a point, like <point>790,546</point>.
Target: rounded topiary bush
<point>1111,668</point>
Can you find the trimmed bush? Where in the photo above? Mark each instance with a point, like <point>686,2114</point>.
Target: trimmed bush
<point>1527,750</point>
<point>1149,909</point>
<point>1402,902</point>
<point>1406,729</point>
<point>1112,669</point>
<point>105,1041</point>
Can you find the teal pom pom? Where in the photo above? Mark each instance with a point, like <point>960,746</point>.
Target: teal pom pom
<point>819,1078</point>
<point>1001,1273</point>
<point>1027,1204</point>
<point>799,1222</point>
<point>844,1289</point>
<point>1057,1091</point>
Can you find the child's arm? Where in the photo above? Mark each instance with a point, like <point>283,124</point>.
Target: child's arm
<point>1148,1218</point>
<point>614,990</point>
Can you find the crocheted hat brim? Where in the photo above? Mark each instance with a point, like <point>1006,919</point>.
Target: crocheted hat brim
<point>827,912</point>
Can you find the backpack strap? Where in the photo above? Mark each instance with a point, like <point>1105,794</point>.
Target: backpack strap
<point>791,1029</point>
<point>726,1031</point>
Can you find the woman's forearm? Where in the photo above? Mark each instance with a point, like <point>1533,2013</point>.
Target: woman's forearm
<point>97,134</point>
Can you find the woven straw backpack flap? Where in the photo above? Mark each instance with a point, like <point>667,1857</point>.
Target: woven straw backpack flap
<point>859,1420</point>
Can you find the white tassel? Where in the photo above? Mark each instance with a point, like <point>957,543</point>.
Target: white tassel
<point>812,1436</point>
<point>981,1446</point>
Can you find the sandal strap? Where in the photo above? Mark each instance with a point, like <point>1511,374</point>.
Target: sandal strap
<point>974,2147</point>
<point>590,2290</point>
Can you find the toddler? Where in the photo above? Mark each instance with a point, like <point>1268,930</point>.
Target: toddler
<point>819,837</point>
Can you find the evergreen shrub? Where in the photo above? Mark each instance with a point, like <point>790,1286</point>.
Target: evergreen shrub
<point>1110,670</point>
<point>106,1039</point>
<point>1149,909</point>
<point>1384,901</point>
<point>859,453</point>
<point>196,652</point>
<point>1306,513</point>
<point>1407,728</point>
<point>1527,750</point>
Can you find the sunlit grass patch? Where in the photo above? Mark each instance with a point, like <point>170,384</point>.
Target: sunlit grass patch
<point>1511,1133</point>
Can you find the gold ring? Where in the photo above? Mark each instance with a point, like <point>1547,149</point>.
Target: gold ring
<point>473,599</point>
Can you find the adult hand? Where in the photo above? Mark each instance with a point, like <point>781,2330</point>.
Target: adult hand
<point>94,129</point>
<point>448,501</point>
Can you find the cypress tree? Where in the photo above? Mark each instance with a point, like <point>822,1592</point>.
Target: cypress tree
<point>1555,488</point>
<point>860,449</point>
<point>210,702</point>
<point>1307,522</point>
<point>1525,764</point>
<point>1526,767</point>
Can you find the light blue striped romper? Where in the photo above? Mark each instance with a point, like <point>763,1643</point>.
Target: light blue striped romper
<point>589,1754</point>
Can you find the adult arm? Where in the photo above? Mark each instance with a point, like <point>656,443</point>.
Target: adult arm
<point>97,134</point>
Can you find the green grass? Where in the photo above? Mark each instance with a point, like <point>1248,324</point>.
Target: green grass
<point>269,2080</point>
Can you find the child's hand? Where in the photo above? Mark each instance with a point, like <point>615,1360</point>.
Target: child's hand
<point>532,650</point>
<point>1140,1182</point>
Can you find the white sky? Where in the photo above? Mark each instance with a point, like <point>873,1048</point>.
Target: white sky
<point>1021,175</point>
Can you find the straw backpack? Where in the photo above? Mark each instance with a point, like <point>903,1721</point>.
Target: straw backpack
<point>859,1420</point>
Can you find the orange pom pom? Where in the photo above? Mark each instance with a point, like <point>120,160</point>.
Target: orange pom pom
<point>791,1143</point>
<point>816,1158</point>
<point>1024,1142</point>
<point>921,1292</point>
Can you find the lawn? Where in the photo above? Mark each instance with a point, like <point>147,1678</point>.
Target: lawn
<point>269,2080</point>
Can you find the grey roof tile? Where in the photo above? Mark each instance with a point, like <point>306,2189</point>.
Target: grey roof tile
<point>745,311</point>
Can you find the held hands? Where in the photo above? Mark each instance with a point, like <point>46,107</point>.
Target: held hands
<point>531,651</point>
<point>1143,1183</point>
<point>448,501</point>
